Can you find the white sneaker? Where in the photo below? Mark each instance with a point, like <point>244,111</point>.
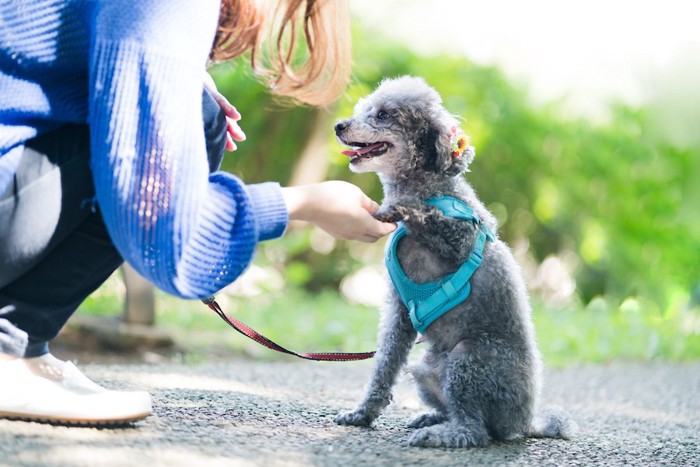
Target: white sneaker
<point>46,389</point>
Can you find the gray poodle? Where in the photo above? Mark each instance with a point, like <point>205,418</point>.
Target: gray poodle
<point>481,372</point>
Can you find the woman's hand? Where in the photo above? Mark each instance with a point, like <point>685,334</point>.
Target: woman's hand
<point>339,208</point>
<point>234,131</point>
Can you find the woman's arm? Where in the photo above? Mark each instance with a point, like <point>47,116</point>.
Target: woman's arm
<point>188,232</point>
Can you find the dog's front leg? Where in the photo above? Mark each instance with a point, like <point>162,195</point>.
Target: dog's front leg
<point>390,214</point>
<point>402,210</point>
<point>396,339</point>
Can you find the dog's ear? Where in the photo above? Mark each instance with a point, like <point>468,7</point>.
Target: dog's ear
<point>447,160</point>
<point>428,146</point>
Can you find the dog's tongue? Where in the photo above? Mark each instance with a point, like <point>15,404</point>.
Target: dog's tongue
<point>361,151</point>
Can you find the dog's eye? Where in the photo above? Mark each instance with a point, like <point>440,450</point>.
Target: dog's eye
<point>382,115</point>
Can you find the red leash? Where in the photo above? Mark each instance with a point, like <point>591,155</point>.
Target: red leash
<point>260,339</point>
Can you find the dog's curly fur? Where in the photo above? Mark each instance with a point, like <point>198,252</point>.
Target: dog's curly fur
<point>482,370</point>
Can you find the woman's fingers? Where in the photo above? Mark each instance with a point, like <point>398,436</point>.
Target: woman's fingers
<point>235,130</point>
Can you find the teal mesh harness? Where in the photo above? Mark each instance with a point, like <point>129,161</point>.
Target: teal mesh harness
<point>427,302</point>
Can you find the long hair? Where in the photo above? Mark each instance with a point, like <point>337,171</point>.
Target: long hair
<point>302,49</point>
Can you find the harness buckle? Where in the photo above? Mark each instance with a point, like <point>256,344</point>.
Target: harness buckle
<point>476,258</point>
<point>489,235</point>
<point>417,323</point>
<point>449,290</point>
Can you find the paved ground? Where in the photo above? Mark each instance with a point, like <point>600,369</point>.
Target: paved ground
<point>243,413</point>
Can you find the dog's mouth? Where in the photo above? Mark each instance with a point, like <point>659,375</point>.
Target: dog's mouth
<point>362,151</point>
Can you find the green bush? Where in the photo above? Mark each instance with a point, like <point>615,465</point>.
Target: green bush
<point>614,197</point>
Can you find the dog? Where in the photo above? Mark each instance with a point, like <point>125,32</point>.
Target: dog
<point>481,372</point>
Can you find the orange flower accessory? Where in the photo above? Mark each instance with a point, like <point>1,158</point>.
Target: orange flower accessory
<point>458,141</point>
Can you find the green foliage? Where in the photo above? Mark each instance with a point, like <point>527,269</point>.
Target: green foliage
<point>614,197</point>
<point>323,322</point>
<point>602,332</point>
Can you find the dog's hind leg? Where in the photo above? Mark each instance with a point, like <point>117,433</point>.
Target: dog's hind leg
<point>428,376</point>
<point>464,384</point>
<point>451,435</point>
<point>395,341</point>
<point>427,419</point>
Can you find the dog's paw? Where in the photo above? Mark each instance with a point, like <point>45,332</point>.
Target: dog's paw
<point>427,419</point>
<point>388,216</point>
<point>356,418</point>
<point>447,436</point>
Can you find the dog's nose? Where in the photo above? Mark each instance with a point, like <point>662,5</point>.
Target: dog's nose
<point>340,126</point>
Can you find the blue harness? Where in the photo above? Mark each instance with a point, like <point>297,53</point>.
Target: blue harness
<point>427,302</point>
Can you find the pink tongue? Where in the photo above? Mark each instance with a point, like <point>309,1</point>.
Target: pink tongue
<point>364,150</point>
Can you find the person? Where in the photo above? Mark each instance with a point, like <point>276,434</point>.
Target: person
<point>111,135</point>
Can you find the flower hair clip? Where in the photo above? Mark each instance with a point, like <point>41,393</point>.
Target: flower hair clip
<point>458,141</point>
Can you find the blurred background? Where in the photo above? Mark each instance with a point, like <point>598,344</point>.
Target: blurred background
<point>586,121</point>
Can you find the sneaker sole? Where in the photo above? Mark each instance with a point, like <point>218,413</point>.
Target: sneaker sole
<point>74,421</point>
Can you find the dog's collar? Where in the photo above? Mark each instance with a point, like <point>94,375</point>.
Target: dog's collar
<point>428,301</point>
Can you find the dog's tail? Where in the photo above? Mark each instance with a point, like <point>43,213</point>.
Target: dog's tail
<point>553,422</point>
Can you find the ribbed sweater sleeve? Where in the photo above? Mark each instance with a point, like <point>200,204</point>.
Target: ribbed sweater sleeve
<point>189,232</point>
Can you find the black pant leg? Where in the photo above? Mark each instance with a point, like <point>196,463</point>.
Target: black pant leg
<point>56,249</point>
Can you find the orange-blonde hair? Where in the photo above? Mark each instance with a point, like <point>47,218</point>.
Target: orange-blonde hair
<point>314,69</point>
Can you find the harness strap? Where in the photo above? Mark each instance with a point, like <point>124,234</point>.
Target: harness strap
<point>452,289</point>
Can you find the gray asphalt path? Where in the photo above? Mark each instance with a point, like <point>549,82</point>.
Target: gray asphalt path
<point>245,413</point>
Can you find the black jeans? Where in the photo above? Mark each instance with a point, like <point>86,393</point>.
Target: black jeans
<point>54,246</point>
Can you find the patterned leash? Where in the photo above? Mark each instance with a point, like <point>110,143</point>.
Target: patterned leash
<point>262,340</point>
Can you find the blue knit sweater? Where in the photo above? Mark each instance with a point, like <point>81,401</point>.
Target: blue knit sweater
<point>133,70</point>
